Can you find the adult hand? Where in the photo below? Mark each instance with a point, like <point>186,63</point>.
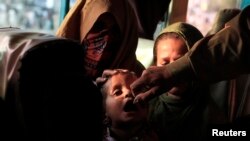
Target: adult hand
<point>153,82</point>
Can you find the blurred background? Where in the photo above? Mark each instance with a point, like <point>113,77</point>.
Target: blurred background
<point>46,15</point>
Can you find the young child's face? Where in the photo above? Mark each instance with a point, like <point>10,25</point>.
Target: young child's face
<point>169,50</point>
<point>119,101</point>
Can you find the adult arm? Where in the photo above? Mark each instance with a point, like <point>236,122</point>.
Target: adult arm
<point>223,55</point>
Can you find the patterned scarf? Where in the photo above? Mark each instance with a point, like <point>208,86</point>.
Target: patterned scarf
<point>94,45</point>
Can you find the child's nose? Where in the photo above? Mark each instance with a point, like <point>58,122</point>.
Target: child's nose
<point>129,94</point>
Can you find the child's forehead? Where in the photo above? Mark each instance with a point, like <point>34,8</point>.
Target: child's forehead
<point>124,76</point>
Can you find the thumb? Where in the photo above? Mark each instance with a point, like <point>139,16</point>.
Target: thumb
<point>146,96</point>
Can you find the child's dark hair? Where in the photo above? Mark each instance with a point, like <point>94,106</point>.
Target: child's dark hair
<point>101,85</point>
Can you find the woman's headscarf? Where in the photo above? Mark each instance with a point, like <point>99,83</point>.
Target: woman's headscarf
<point>188,32</point>
<point>82,16</point>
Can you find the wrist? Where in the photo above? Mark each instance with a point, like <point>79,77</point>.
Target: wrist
<point>181,70</point>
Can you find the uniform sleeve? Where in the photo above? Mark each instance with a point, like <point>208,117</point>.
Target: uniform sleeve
<point>221,56</point>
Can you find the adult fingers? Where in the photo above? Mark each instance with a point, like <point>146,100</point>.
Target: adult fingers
<point>147,95</point>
